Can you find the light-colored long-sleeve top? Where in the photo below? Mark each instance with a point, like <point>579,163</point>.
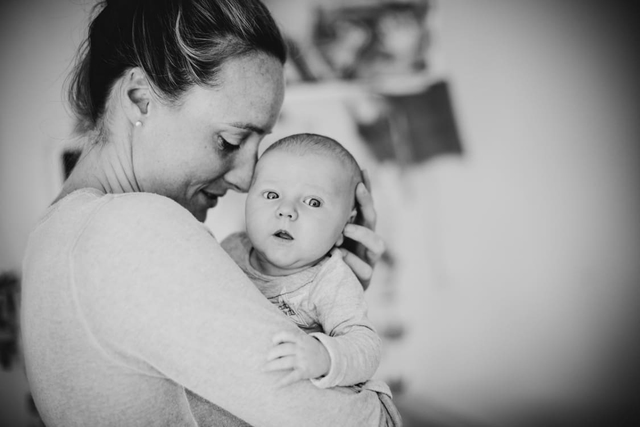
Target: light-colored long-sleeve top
<point>125,316</point>
<point>327,301</point>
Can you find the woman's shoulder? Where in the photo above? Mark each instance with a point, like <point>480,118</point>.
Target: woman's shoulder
<point>145,203</point>
<point>93,200</point>
<point>142,217</point>
<point>236,243</point>
<point>145,207</point>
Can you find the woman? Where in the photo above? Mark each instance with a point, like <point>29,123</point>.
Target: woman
<point>132,314</point>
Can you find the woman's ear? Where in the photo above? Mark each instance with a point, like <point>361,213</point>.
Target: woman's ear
<point>136,95</point>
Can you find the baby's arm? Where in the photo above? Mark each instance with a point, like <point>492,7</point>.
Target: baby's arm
<point>350,342</point>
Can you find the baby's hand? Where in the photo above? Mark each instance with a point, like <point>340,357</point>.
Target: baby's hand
<point>299,353</point>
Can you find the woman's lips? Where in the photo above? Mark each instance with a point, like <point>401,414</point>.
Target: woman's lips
<point>211,198</point>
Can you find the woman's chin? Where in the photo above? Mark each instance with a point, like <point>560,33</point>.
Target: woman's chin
<point>200,212</point>
<point>201,216</point>
<point>200,208</point>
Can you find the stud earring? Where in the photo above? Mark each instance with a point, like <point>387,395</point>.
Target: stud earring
<point>138,123</point>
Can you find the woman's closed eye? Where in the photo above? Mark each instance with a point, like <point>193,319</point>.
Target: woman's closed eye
<point>225,145</point>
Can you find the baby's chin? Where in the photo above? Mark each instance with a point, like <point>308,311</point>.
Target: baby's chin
<point>285,269</point>
<point>280,267</point>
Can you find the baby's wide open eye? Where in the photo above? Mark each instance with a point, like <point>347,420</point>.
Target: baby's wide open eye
<point>313,202</point>
<point>270,195</point>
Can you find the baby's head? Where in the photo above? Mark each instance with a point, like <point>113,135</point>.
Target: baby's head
<point>301,197</point>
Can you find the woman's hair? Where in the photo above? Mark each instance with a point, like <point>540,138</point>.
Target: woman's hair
<point>177,43</point>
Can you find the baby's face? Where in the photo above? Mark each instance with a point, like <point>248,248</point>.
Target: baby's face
<point>296,210</point>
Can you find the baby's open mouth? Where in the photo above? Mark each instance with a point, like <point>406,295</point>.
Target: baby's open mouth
<point>283,234</point>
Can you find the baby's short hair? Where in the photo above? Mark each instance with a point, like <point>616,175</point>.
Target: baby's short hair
<point>303,143</point>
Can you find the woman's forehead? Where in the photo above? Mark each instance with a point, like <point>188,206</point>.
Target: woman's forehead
<point>248,93</point>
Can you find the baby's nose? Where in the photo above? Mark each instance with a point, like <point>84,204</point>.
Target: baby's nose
<point>286,211</point>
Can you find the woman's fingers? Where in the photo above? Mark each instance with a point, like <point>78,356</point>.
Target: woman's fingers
<point>361,269</point>
<point>372,242</point>
<point>367,253</point>
<point>365,203</point>
<point>363,247</point>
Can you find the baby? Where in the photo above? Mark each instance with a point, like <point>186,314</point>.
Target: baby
<point>301,198</point>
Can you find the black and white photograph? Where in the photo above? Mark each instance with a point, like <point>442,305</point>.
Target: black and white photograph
<point>319,213</point>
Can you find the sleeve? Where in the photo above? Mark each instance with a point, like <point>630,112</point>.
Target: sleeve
<point>350,338</point>
<point>163,297</point>
<point>232,244</point>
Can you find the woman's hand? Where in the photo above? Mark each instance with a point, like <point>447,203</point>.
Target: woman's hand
<point>363,247</point>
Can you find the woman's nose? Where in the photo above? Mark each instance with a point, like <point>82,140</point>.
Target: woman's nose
<point>287,211</point>
<point>241,173</point>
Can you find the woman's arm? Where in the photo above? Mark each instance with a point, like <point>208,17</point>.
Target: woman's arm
<point>179,304</point>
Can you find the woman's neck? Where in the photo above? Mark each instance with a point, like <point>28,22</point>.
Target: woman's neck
<point>105,166</point>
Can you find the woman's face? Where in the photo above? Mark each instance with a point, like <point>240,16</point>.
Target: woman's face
<point>206,144</point>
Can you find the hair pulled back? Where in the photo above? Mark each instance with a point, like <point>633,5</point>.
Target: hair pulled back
<point>177,43</point>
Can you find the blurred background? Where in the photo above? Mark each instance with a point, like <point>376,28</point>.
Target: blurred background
<point>502,141</point>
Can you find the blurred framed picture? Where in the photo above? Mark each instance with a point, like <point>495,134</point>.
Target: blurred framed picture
<point>387,49</point>
<point>366,40</point>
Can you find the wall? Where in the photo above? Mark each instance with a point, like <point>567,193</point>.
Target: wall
<point>516,277</point>
<point>517,263</point>
<point>529,303</point>
<point>37,44</point>
<point>38,39</point>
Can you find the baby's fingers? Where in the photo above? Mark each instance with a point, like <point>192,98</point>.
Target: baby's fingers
<point>284,337</point>
<point>281,350</point>
<point>279,364</point>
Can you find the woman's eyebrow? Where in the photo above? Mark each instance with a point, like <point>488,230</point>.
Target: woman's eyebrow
<point>251,127</point>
